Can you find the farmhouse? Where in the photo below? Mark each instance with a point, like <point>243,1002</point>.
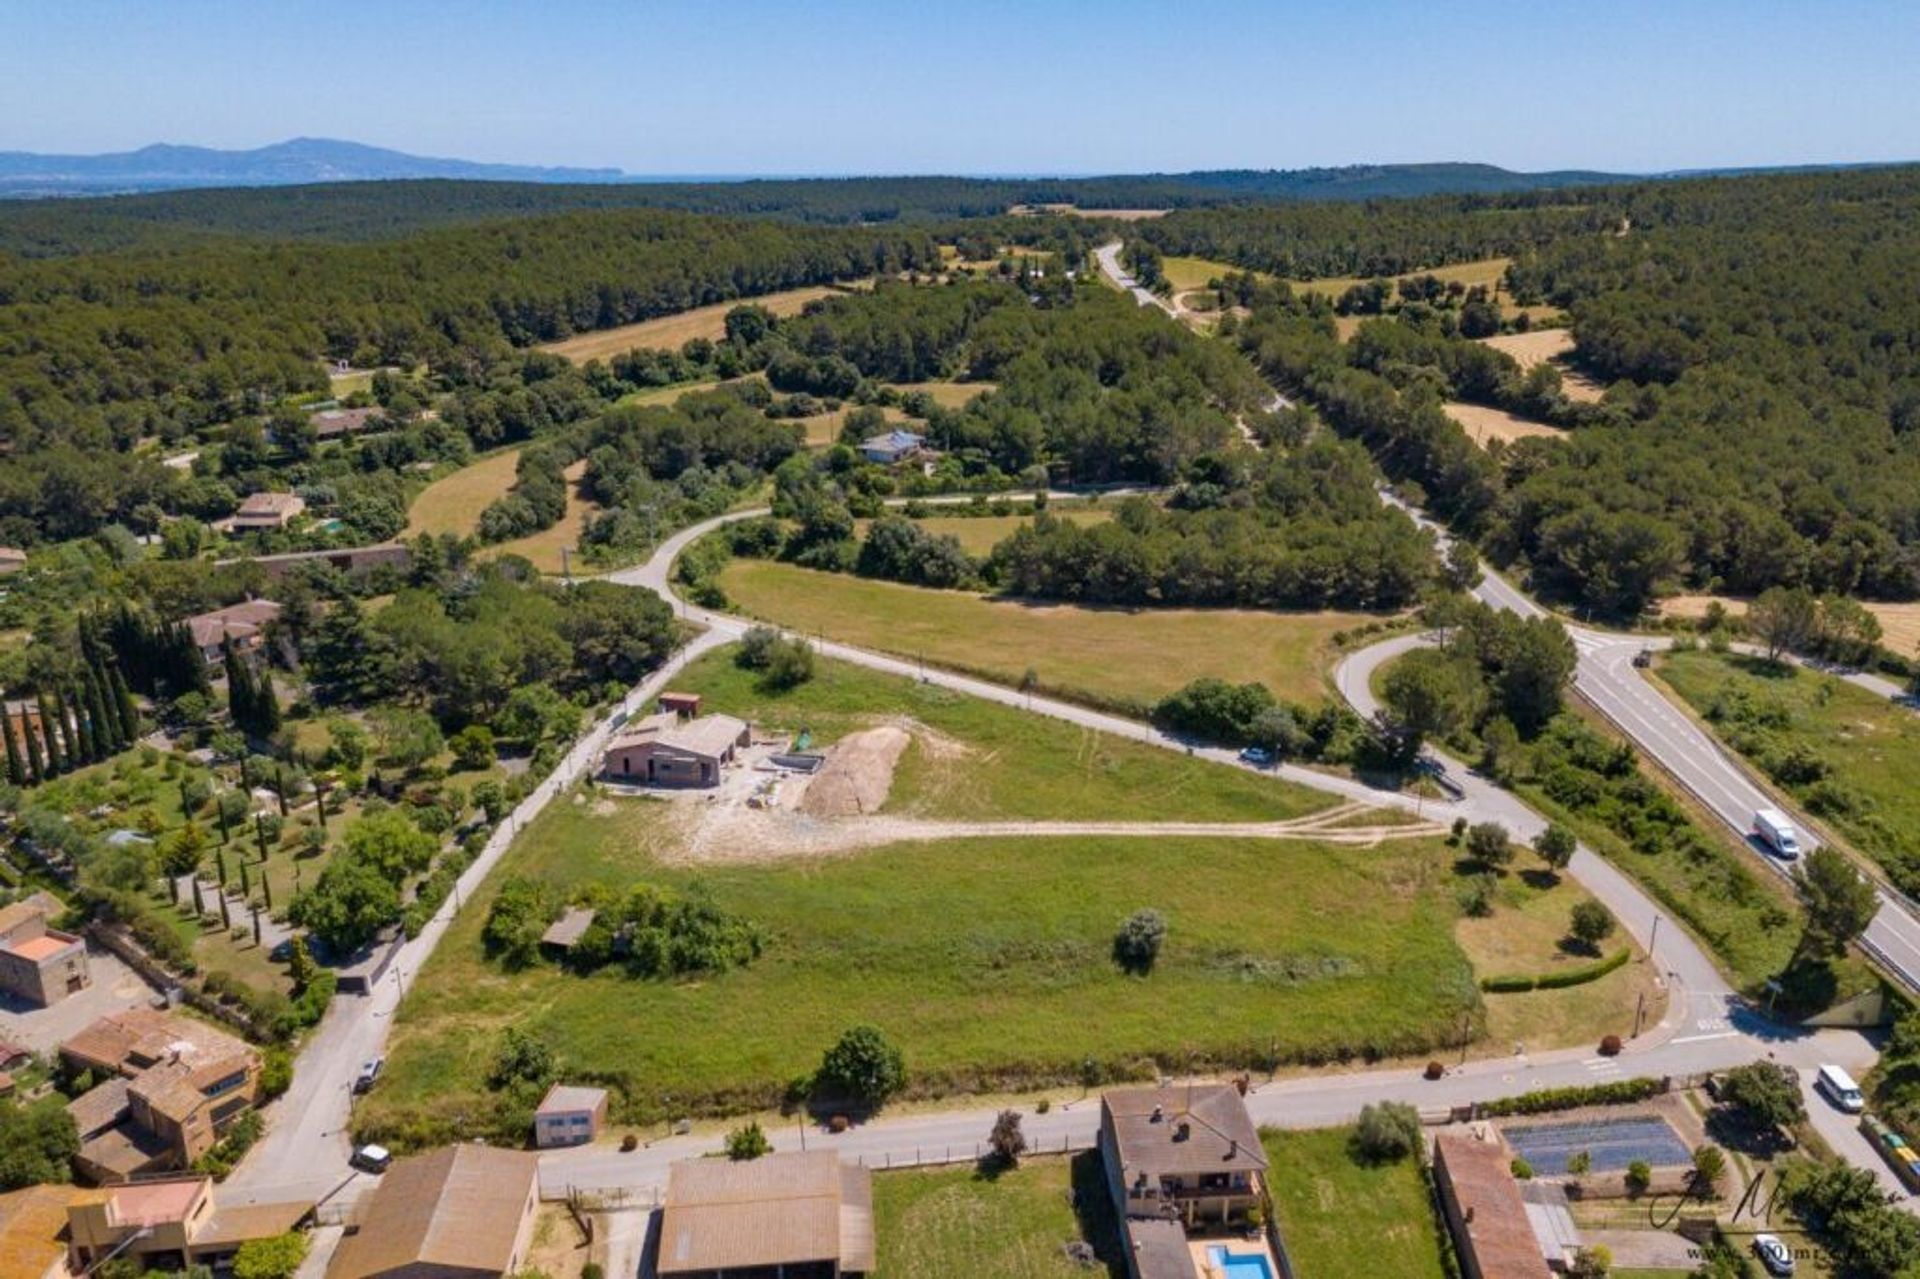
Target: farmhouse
<point>12,560</point>
<point>175,1087</point>
<point>1179,1161</point>
<point>894,446</point>
<point>569,1116</point>
<point>792,1214</point>
<point>39,963</point>
<point>660,750</point>
<point>170,1224</point>
<point>1484,1210</point>
<point>244,623</point>
<point>460,1212</point>
<point>337,423</point>
<point>268,511</point>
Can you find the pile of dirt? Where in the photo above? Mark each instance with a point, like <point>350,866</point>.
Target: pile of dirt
<point>857,775</point>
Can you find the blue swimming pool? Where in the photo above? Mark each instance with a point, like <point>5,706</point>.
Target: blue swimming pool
<point>1611,1143</point>
<point>1240,1265</point>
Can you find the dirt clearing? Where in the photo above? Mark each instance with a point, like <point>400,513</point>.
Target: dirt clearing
<point>857,775</point>
<point>1549,345</point>
<point>669,332</point>
<point>1483,424</point>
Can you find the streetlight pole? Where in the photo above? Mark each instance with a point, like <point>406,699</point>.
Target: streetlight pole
<point>1654,940</point>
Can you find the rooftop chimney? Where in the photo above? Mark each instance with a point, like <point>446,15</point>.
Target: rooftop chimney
<point>1181,1130</point>
<point>1233,1148</point>
<point>1156,1117</point>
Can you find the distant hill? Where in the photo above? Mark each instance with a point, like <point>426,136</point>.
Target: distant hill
<point>164,167</point>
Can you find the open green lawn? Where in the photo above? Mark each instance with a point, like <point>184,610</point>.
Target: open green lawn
<point>1193,273</point>
<point>1867,746</point>
<point>1128,658</point>
<point>979,534</point>
<point>1342,1219</point>
<point>934,1224</point>
<point>1009,763</point>
<point>987,961</point>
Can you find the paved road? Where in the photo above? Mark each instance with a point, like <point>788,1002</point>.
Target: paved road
<point>1607,678</point>
<point>1108,255</point>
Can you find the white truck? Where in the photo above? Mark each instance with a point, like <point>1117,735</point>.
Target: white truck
<point>1771,827</point>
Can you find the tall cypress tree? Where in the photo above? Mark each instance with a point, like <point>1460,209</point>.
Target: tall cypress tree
<point>106,727</point>
<point>55,729</point>
<point>266,708</point>
<point>86,740</point>
<point>36,756</point>
<point>239,686</point>
<point>16,766</point>
<point>123,704</point>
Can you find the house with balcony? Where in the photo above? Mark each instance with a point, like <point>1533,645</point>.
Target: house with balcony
<point>1187,1174</point>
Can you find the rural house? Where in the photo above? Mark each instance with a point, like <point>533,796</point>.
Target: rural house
<point>1182,1161</point>
<point>12,560</point>
<point>894,446</point>
<point>267,511</point>
<point>660,750</point>
<point>171,1223</point>
<point>569,1116</point>
<point>38,963</point>
<point>245,623</point>
<point>460,1212</point>
<point>1484,1210</point>
<point>338,423</point>
<point>803,1215</point>
<point>174,1085</point>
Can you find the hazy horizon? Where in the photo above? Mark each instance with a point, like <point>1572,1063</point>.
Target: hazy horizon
<point>987,89</point>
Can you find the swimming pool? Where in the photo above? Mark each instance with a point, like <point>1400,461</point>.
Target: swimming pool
<point>1240,1265</point>
<point>1612,1143</point>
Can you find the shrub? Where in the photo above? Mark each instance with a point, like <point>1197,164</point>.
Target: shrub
<point>1639,1176</point>
<point>1489,844</point>
<point>863,1066</point>
<point>1521,1169</point>
<point>1619,1092</point>
<point>1709,1165</point>
<point>1765,1090</point>
<point>1042,1106</point>
<point>1006,1142</point>
<point>1435,1070</point>
<point>748,1142</point>
<point>1610,1046</point>
<point>1579,1163</point>
<point>1591,924</point>
<point>1387,1130</point>
<point>1475,895</point>
<point>276,1258</point>
<point>1137,945</point>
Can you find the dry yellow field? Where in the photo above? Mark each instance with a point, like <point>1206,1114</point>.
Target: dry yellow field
<point>1486,273</point>
<point>1193,273</point>
<point>669,332</point>
<point>1899,623</point>
<point>1542,345</point>
<point>543,548</point>
<point>453,504</point>
<point>1119,215</point>
<point>948,395</point>
<point>1483,424</point>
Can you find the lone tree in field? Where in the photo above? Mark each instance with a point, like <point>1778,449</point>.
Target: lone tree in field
<point>1555,845</point>
<point>1489,844</point>
<point>863,1067</point>
<point>1592,924</point>
<point>1840,903</point>
<point>1006,1142</point>
<point>1765,1091</point>
<point>1137,945</point>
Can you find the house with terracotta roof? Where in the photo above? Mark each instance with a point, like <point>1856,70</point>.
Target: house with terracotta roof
<point>459,1212</point>
<point>174,1086</point>
<point>33,1231</point>
<point>1485,1212</point>
<point>268,511</point>
<point>244,623</point>
<point>664,750</point>
<point>799,1214</point>
<point>39,964</point>
<point>171,1223</point>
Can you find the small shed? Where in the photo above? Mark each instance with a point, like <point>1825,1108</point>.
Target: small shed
<point>568,929</point>
<point>685,705</point>
<point>569,1115</point>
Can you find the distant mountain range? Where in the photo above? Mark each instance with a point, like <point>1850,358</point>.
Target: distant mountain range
<point>164,167</point>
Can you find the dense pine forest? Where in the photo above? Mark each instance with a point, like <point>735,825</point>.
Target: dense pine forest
<point>1761,337</point>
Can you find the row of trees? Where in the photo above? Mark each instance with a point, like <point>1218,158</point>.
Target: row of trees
<point>82,719</point>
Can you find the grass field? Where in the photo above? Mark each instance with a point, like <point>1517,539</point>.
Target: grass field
<point>1870,746</point>
<point>453,503</point>
<point>1343,1219</point>
<point>1483,424</point>
<point>1193,273</point>
<point>1006,1226</point>
<point>979,534</point>
<point>1486,272</point>
<point>662,394</point>
<point>1011,763</point>
<point>948,395</point>
<point>670,332</point>
<point>1899,623</point>
<point>1114,655</point>
<point>1526,934</point>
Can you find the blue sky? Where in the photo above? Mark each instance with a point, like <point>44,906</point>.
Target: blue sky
<point>861,86</point>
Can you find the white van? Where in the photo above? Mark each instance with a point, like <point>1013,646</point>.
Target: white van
<point>1840,1089</point>
<point>1773,829</point>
